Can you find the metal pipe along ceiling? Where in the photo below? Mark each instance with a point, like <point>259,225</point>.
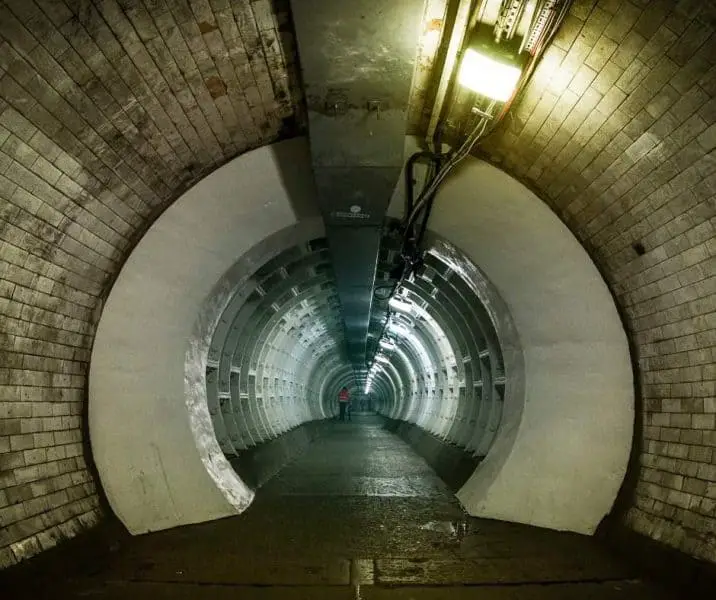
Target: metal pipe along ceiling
<point>357,64</point>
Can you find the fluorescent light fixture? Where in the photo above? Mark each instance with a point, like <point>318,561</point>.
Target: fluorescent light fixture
<point>400,305</point>
<point>387,344</point>
<point>487,76</point>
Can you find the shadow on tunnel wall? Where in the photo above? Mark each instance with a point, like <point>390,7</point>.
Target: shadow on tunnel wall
<point>257,465</point>
<point>451,463</point>
<point>294,180</point>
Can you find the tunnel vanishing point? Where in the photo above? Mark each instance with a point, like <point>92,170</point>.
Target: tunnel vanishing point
<point>493,221</point>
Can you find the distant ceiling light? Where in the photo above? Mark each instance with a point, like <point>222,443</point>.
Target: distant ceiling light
<point>387,344</point>
<point>487,76</point>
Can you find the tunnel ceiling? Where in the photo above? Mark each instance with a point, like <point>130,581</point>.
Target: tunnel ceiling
<point>110,109</point>
<point>357,63</point>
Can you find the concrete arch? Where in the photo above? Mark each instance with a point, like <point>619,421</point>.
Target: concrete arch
<point>151,347</point>
<point>573,425</point>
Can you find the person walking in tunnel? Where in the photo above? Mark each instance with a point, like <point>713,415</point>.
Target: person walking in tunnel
<point>344,399</point>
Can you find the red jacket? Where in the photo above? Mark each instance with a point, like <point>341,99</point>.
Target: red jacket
<point>343,396</point>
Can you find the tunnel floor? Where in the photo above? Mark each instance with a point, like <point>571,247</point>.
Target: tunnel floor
<point>358,515</point>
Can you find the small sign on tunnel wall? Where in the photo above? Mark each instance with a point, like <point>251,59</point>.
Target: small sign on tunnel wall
<point>354,213</point>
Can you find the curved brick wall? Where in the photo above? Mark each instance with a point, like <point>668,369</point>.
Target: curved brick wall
<point>107,114</point>
<point>616,132</point>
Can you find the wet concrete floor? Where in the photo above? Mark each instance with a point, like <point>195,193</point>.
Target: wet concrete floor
<point>358,515</point>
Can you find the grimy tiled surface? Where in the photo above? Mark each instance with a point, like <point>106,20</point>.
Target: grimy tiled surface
<point>108,111</point>
<point>617,133</point>
<point>357,515</point>
<point>110,108</point>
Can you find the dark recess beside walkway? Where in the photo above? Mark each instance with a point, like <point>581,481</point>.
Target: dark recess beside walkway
<point>357,515</point>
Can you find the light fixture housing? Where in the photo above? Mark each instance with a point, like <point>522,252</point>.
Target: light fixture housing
<point>397,328</point>
<point>386,344</point>
<point>488,76</point>
<point>400,305</point>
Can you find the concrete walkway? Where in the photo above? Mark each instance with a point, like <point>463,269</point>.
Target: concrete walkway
<point>358,515</point>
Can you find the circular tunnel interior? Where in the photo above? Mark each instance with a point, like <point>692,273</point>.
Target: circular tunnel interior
<point>276,357</point>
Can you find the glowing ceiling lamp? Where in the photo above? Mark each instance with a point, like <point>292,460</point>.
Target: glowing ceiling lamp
<point>485,75</point>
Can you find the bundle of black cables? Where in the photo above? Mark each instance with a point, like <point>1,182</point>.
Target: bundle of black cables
<point>417,210</point>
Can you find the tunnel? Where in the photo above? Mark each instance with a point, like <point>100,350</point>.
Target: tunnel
<point>219,214</point>
<point>260,353</point>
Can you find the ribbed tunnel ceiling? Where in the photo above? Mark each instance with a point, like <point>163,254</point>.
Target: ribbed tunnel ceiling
<point>110,109</point>
<point>357,65</point>
<point>276,358</point>
<point>275,349</point>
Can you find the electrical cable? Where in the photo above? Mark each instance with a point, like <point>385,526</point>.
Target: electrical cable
<point>409,246</point>
<point>479,130</point>
<point>413,208</point>
<point>409,250</point>
<point>427,195</point>
<point>409,183</point>
<point>428,206</point>
<point>453,160</point>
